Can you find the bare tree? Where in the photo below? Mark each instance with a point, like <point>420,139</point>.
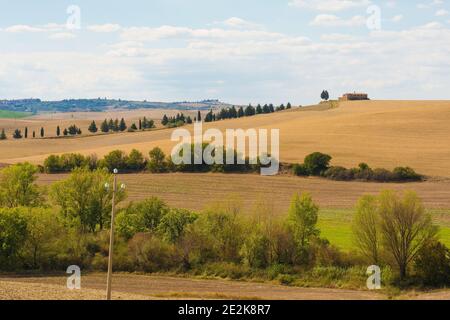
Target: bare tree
<point>365,228</point>
<point>405,227</point>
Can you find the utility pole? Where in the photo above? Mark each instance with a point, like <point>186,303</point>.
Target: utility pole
<point>111,237</point>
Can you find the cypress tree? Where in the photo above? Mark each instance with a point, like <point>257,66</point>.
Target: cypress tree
<point>17,134</point>
<point>34,134</point>
<point>3,135</point>
<point>42,132</point>
<point>58,131</point>
<point>104,127</point>
<point>122,125</point>
<point>140,124</point>
<point>93,127</point>
<point>165,121</point>
<point>26,132</point>
<point>199,116</point>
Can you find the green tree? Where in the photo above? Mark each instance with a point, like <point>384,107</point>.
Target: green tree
<point>3,135</point>
<point>289,106</point>
<point>157,162</point>
<point>165,120</point>
<point>405,227</point>
<point>302,219</point>
<point>13,234</point>
<point>58,131</point>
<point>17,134</point>
<point>317,163</point>
<point>365,228</point>
<point>105,126</point>
<point>144,216</point>
<point>43,231</point>
<point>199,116</point>
<point>325,95</point>
<point>140,124</point>
<point>122,125</point>
<point>84,200</point>
<point>18,186</point>
<point>174,222</point>
<point>93,127</point>
<point>432,264</point>
<point>42,132</point>
<point>135,161</point>
<point>116,159</point>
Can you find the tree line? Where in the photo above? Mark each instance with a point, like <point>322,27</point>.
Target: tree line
<point>135,161</point>
<point>318,164</point>
<point>67,223</point>
<point>105,127</point>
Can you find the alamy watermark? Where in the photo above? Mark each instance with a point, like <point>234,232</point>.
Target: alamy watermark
<point>257,149</point>
<point>74,280</point>
<point>374,280</point>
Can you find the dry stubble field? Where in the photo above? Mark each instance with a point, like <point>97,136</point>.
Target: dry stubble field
<point>381,133</point>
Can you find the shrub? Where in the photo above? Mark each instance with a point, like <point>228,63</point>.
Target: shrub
<point>151,254</point>
<point>144,216</point>
<point>255,250</point>
<point>339,173</point>
<point>432,264</point>
<point>317,163</point>
<point>382,175</point>
<point>406,174</point>
<point>300,170</point>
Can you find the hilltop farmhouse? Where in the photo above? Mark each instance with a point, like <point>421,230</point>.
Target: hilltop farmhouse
<point>354,96</point>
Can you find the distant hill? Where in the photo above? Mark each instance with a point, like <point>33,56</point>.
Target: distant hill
<point>74,105</point>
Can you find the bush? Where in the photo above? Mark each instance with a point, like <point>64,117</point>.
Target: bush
<point>144,216</point>
<point>317,163</point>
<point>406,174</point>
<point>382,175</point>
<point>255,250</point>
<point>339,173</point>
<point>432,264</point>
<point>300,170</point>
<point>151,254</point>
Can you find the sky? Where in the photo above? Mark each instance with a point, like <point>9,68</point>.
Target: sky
<point>246,51</point>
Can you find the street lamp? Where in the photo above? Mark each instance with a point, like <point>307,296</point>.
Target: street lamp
<point>111,236</point>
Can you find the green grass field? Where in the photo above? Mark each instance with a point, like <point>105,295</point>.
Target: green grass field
<point>6,114</point>
<point>335,225</point>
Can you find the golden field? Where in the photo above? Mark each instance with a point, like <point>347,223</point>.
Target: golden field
<point>382,133</point>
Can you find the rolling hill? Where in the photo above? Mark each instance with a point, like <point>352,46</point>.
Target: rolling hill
<point>381,133</point>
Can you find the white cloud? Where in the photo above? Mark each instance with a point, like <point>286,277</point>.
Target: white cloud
<point>237,65</point>
<point>23,28</point>
<point>441,13</point>
<point>109,27</point>
<point>329,20</point>
<point>329,5</point>
<point>235,22</point>
<point>62,36</point>
<point>397,18</point>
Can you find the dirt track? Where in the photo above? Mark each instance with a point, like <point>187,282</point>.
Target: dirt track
<point>135,287</point>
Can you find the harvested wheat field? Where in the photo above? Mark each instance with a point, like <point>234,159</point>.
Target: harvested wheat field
<point>382,133</point>
<point>139,287</point>
<point>50,121</point>
<point>195,191</point>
